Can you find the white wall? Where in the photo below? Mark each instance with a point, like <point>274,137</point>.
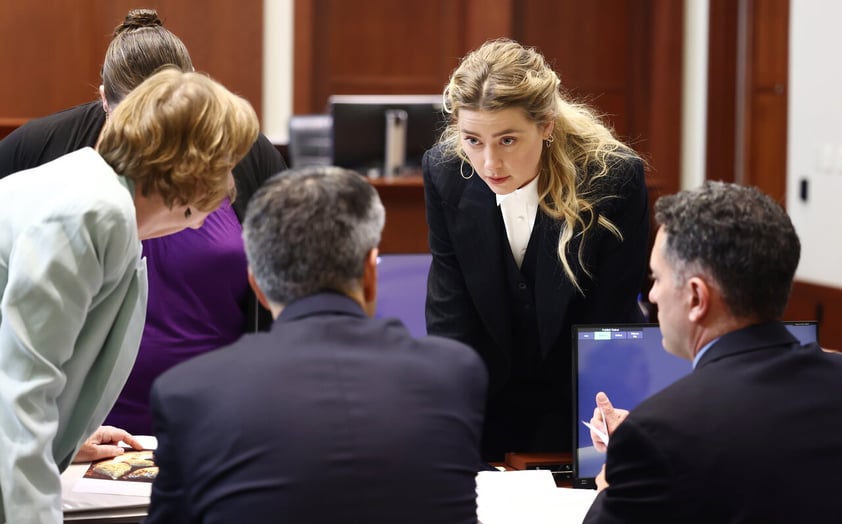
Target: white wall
<point>814,148</point>
<point>277,69</point>
<point>694,93</point>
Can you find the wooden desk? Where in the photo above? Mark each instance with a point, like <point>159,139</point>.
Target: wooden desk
<point>560,464</point>
<point>406,221</point>
<point>556,505</point>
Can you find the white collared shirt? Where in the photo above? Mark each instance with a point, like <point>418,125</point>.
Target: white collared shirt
<point>519,209</point>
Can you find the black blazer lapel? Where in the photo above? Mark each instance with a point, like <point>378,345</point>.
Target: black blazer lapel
<point>553,290</point>
<point>478,238</point>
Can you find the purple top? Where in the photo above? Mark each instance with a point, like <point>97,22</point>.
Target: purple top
<point>191,309</point>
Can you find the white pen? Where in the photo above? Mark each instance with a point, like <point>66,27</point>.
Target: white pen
<point>605,425</point>
<point>603,435</point>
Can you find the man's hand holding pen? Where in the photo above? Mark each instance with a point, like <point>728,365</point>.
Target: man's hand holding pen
<point>605,420</point>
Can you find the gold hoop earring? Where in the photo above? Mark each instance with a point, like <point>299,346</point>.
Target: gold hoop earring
<point>462,170</point>
<point>549,140</point>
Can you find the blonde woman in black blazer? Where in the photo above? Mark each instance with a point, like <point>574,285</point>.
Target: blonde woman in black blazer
<point>579,257</point>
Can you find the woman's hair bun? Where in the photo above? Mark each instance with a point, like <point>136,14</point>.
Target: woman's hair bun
<point>138,18</point>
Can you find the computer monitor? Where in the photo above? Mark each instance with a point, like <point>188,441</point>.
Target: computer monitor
<point>359,128</point>
<point>628,363</point>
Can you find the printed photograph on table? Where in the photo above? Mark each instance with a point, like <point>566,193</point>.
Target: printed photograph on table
<point>135,466</point>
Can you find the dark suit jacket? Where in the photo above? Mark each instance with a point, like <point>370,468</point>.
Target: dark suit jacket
<point>329,417</point>
<point>467,296</point>
<point>753,434</point>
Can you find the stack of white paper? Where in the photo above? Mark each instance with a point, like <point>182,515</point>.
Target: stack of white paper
<point>510,497</point>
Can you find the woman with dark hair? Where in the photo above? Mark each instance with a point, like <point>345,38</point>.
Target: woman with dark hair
<point>199,298</point>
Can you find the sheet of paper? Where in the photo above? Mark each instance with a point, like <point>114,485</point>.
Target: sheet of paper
<point>148,442</point>
<point>515,497</point>
<point>113,487</point>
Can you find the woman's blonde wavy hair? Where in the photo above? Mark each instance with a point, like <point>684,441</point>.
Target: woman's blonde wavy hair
<point>503,74</point>
<point>179,135</point>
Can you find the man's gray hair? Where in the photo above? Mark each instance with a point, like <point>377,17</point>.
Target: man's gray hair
<point>738,237</point>
<point>309,230</point>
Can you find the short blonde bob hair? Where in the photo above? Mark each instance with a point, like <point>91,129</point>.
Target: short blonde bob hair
<point>179,135</point>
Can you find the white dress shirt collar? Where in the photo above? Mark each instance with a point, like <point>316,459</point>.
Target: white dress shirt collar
<point>519,209</point>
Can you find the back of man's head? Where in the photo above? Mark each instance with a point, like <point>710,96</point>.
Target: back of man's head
<point>740,238</point>
<point>310,230</point>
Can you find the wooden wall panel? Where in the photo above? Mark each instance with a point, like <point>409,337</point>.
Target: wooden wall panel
<point>623,57</point>
<point>487,19</point>
<point>373,46</point>
<point>383,46</point>
<point>766,145</point>
<point>763,101</point>
<point>721,93</point>
<point>747,102</point>
<point>374,51</point>
<point>52,50</point>
<point>305,71</point>
<point>660,131</point>
<point>587,48</point>
<point>770,46</point>
<point>51,53</point>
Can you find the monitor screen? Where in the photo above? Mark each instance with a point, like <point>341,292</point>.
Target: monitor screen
<point>359,128</point>
<point>628,363</point>
<point>402,289</point>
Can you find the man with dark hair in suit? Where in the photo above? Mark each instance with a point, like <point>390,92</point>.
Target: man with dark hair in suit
<point>331,416</point>
<point>753,433</point>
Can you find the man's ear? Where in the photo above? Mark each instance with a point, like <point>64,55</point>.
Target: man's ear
<point>370,281</point>
<point>700,299</point>
<point>257,291</point>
